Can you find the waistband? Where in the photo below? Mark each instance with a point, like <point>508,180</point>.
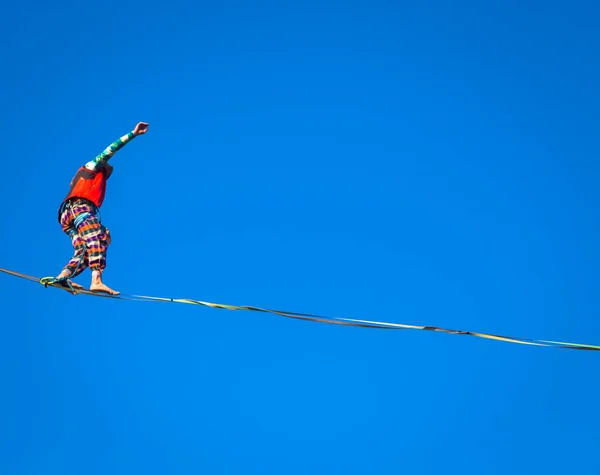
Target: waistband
<point>73,202</point>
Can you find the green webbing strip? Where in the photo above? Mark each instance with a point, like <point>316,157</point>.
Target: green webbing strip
<point>50,281</point>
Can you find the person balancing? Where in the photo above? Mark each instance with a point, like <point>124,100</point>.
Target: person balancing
<point>79,217</point>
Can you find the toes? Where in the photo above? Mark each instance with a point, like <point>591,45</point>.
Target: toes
<point>105,290</point>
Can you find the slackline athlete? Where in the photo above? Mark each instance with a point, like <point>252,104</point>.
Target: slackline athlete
<point>79,216</point>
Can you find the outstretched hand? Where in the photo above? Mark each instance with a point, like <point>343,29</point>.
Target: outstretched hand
<point>141,128</point>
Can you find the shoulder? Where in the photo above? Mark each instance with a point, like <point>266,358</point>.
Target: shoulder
<point>88,171</point>
<point>92,166</point>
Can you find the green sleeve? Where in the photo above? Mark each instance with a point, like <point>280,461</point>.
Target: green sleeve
<point>98,162</point>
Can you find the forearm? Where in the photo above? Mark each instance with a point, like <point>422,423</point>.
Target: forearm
<point>101,159</point>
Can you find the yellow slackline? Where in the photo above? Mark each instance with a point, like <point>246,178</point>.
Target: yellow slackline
<point>306,316</point>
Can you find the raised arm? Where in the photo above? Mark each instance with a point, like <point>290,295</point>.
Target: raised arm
<point>101,159</point>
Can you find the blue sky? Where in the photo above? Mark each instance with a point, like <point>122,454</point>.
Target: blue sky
<point>429,163</point>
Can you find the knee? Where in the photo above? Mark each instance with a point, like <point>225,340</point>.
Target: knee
<point>107,237</point>
<point>80,247</point>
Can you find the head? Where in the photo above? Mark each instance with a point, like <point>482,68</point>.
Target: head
<point>108,169</point>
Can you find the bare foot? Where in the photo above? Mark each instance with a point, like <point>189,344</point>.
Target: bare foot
<point>62,275</point>
<point>100,287</point>
<point>64,283</point>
